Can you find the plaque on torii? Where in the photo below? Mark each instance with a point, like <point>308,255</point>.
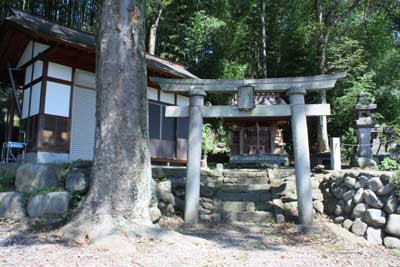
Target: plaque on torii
<point>295,88</point>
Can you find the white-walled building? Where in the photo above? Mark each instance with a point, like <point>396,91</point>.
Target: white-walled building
<point>58,82</point>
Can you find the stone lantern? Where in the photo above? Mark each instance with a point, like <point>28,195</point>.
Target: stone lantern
<point>364,126</point>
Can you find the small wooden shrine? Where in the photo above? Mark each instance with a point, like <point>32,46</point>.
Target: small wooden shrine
<point>258,140</point>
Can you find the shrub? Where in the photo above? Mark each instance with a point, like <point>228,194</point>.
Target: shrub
<point>7,181</point>
<point>395,183</point>
<point>388,164</point>
<point>62,174</point>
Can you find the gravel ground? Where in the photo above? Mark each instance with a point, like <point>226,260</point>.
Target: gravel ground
<point>235,245</point>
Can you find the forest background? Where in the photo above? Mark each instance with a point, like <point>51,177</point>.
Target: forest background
<point>236,39</point>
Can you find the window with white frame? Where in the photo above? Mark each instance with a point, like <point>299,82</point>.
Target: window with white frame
<point>57,101</point>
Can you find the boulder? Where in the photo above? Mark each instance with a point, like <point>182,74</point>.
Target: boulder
<point>155,214</point>
<point>338,220</point>
<point>361,181</point>
<point>384,190</point>
<point>290,209</point>
<point>385,177</point>
<point>371,199</point>
<point>349,182</point>
<point>358,196</point>
<point>347,224</point>
<point>11,205</point>
<point>153,199</point>
<point>31,177</point>
<point>375,217</point>
<point>318,206</point>
<point>391,242</point>
<point>169,209</point>
<point>54,204</point>
<point>349,195</point>
<point>164,192</point>
<point>374,236</point>
<point>348,206</point>
<point>391,204</point>
<point>317,195</point>
<point>359,211</point>
<point>359,227</point>
<point>339,208</point>
<point>76,181</point>
<point>374,184</point>
<point>337,191</point>
<point>393,225</point>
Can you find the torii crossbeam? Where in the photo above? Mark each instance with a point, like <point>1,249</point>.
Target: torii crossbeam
<point>295,88</point>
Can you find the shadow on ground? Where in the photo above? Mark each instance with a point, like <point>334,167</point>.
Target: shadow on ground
<point>267,236</point>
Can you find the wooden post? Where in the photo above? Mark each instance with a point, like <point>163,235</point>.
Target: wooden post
<point>336,163</point>
<point>301,155</point>
<point>192,194</point>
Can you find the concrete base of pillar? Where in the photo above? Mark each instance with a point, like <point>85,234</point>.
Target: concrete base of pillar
<point>364,162</point>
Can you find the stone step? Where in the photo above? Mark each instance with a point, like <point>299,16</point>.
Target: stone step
<point>244,174</point>
<point>250,196</point>
<point>247,216</point>
<point>245,181</point>
<point>245,187</point>
<point>234,206</point>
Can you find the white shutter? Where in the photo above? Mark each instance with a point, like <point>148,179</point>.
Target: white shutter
<point>83,124</point>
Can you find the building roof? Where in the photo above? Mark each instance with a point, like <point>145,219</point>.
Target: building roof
<point>83,40</point>
<point>264,99</point>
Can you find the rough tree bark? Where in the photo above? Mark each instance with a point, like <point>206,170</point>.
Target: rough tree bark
<point>118,199</point>
<point>153,33</point>
<point>264,38</point>
<point>323,140</point>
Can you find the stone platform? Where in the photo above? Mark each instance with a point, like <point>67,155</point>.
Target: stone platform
<point>245,195</point>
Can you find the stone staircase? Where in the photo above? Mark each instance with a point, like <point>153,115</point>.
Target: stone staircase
<point>245,196</point>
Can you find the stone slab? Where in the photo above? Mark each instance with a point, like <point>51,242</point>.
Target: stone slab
<point>247,216</point>
<point>11,205</point>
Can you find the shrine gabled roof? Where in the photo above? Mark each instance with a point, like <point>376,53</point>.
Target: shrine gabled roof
<point>59,34</point>
<point>265,99</point>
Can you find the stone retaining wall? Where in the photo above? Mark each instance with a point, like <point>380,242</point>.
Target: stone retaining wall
<point>362,202</point>
<point>365,204</point>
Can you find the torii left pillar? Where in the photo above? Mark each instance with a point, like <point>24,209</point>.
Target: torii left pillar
<point>192,192</point>
<point>301,155</point>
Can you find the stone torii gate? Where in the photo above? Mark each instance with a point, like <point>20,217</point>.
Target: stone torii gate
<point>296,88</point>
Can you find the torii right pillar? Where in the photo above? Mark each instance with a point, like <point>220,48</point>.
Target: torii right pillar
<point>301,155</point>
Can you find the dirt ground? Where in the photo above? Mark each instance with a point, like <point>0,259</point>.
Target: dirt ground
<point>235,245</point>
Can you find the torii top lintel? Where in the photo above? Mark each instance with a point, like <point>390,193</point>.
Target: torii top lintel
<point>310,83</point>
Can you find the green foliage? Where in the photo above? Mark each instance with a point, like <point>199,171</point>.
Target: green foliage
<point>221,39</point>
<point>388,164</point>
<point>395,183</point>
<point>348,141</point>
<point>214,139</point>
<point>7,181</point>
<point>76,200</point>
<point>62,174</point>
<point>199,33</point>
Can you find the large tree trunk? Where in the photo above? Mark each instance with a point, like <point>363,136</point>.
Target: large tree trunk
<point>119,195</point>
<point>323,140</point>
<point>153,33</point>
<point>264,39</point>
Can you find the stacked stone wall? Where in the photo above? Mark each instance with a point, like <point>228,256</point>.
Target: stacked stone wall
<point>365,204</point>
